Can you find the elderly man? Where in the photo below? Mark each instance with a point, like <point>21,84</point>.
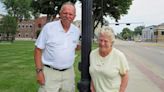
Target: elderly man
<point>55,52</point>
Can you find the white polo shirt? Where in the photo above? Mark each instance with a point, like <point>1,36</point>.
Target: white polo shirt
<point>58,46</point>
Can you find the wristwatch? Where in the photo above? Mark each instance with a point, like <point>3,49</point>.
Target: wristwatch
<point>38,70</point>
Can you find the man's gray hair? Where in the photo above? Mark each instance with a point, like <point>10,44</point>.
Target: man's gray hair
<point>67,3</point>
<point>108,31</point>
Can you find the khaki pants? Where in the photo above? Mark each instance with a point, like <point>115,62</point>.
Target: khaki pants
<point>58,81</point>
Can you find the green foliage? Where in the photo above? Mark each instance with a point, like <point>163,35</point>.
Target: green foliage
<point>18,8</point>
<point>37,33</point>
<point>111,8</point>
<point>9,25</point>
<point>126,34</point>
<point>8,28</point>
<point>138,30</point>
<point>49,7</point>
<point>25,8</point>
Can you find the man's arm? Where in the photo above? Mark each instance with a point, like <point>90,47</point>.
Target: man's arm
<point>124,82</point>
<point>39,66</point>
<point>37,57</point>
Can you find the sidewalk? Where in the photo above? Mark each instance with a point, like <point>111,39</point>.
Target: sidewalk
<point>159,44</point>
<point>138,82</point>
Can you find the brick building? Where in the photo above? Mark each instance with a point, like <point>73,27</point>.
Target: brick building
<point>27,29</point>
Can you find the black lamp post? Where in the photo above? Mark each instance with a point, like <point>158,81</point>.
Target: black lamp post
<point>84,83</point>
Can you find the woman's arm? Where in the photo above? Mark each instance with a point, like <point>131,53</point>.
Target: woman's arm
<point>124,82</point>
<point>92,87</point>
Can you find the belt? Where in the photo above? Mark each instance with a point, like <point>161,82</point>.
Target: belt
<point>56,68</point>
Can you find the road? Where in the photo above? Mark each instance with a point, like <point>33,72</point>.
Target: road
<point>146,65</point>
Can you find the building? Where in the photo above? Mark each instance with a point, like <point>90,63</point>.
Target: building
<point>27,29</point>
<point>148,33</point>
<point>154,33</point>
<point>40,22</point>
<point>159,33</point>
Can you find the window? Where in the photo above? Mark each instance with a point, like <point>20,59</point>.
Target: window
<point>156,33</point>
<point>30,25</point>
<point>162,33</point>
<point>19,35</point>
<point>39,25</point>
<point>22,26</point>
<point>26,25</point>
<point>26,35</point>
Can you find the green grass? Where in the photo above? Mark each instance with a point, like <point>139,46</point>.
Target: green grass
<point>17,69</point>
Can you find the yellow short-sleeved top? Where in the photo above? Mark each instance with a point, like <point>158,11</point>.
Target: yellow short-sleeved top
<point>105,71</point>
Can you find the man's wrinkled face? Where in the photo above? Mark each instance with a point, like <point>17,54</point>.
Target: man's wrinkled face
<point>67,14</point>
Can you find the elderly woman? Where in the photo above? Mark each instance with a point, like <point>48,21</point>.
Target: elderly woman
<point>108,66</point>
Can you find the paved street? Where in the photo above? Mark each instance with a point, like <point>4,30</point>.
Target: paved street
<point>146,65</point>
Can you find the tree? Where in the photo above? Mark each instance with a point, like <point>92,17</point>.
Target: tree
<point>126,34</point>
<point>138,30</point>
<point>101,8</point>
<point>37,33</point>
<point>111,8</point>
<point>8,27</point>
<point>49,7</point>
<point>20,9</point>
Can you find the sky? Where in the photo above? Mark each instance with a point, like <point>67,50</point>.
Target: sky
<point>2,9</point>
<point>141,13</point>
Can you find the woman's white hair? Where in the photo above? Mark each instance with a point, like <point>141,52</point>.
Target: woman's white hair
<point>108,31</point>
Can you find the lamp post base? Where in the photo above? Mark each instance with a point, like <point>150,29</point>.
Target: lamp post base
<point>84,86</point>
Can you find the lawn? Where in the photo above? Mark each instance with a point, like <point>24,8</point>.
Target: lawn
<point>17,72</point>
<point>17,69</point>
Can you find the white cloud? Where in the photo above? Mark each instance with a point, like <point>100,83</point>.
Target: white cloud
<point>145,12</point>
<point>141,12</point>
<point>148,12</point>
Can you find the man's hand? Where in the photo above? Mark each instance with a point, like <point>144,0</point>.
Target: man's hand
<point>40,78</point>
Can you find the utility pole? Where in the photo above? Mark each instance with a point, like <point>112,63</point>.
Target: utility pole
<point>84,83</point>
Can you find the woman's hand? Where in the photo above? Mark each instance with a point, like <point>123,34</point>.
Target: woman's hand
<point>92,87</point>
